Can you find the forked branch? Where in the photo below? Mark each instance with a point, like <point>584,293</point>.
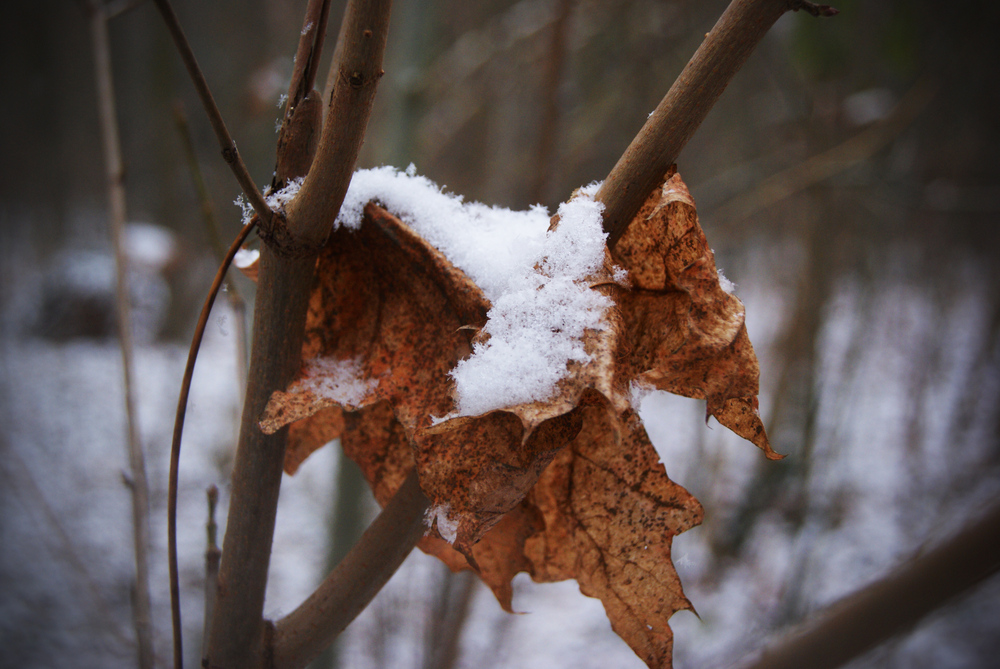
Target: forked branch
<point>314,624</point>
<point>238,635</point>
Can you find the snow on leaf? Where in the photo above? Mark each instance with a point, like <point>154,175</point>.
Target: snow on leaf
<point>561,483</point>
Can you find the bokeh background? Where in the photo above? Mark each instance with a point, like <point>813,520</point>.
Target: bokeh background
<point>847,181</point>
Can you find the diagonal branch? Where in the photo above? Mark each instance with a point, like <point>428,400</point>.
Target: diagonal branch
<point>226,142</point>
<point>667,131</point>
<point>897,602</point>
<point>302,635</point>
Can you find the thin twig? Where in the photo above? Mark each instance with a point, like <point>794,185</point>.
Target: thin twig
<point>212,557</point>
<point>116,198</point>
<point>305,632</point>
<point>307,55</point>
<point>175,446</point>
<point>894,604</point>
<point>226,143</point>
<point>668,129</point>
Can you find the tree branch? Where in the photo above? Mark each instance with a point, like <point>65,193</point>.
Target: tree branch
<point>307,55</point>
<point>890,606</point>
<point>142,614</point>
<point>226,143</point>
<point>303,634</point>
<point>175,445</point>
<point>356,74</point>
<point>668,129</point>
<point>284,281</point>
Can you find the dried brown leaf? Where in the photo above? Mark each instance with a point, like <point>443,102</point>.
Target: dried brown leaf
<point>610,515</point>
<point>569,487</point>
<point>686,334</point>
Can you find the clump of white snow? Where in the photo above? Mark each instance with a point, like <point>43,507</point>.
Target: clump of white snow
<point>724,283</point>
<point>447,526</point>
<point>339,380</point>
<point>245,258</point>
<point>534,278</point>
<point>276,200</point>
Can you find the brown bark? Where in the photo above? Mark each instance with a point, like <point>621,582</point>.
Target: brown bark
<point>893,604</point>
<point>286,274</point>
<point>675,120</point>
<point>302,635</point>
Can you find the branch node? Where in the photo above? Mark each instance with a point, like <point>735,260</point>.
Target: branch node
<point>280,239</point>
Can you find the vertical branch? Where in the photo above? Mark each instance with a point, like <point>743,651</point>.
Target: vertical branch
<point>555,64</point>
<point>212,557</point>
<point>307,55</point>
<point>667,131</point>
<point>237,637</point>
<point>116,199</point>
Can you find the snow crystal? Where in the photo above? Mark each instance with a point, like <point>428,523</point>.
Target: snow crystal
<point>275,201</point>
<point>534,278</point>
<point>447,526</point>
<point>279,199</point>
<point>338,380</point>
<point>724,283</point>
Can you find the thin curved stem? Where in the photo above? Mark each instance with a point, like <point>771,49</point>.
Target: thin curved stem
<point>175,446</point>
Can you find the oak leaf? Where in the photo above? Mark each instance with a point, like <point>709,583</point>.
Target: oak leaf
<point>566,487</point>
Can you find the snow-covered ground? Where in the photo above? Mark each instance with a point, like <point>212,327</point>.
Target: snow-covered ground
<point>904,452</point>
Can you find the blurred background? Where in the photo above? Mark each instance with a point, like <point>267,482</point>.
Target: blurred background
<point>847,181</point>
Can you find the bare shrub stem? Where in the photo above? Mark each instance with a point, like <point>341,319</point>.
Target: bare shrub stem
<point>138,484</point>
